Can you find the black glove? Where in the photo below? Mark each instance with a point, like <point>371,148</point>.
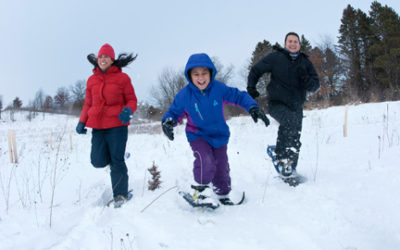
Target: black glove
<point>303,75</point>
<point>258,113</point>
<point>168,128</point>
<point>253,92</point>
<point>80,128</point>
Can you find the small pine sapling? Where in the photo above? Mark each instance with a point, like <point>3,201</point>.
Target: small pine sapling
<point>155,181</point>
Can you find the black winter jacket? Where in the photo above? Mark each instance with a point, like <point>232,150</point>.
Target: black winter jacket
<point>290,79</point>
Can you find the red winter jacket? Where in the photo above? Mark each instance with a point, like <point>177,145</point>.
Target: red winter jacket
<point>106,95</point>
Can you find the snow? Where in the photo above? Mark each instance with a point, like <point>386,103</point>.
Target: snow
<point>349,202</point>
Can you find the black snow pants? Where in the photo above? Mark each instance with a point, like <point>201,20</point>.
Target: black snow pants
<point>108,147</point>
<point>290,123</point>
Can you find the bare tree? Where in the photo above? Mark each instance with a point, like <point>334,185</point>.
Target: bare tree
<point>224,74</point>
<point>38,102</point>
<point>62,97</point>
<point>78,90</point>
<point>78,95</point>
<point>169,84</point>
<point>333,64</point>
<point>48,103</point>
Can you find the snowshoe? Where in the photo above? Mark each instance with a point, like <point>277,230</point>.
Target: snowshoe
<point>226,201</point>
<point>201,197</point>
<point>285,169</point>
<point>293,181</point>
<point>272,155</point>
<point>287,174</point>
<point>120,200</point>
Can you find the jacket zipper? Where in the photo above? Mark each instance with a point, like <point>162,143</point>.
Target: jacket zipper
<point>198,111</point>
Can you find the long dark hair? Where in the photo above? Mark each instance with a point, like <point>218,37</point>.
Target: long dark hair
<point>123,59</point>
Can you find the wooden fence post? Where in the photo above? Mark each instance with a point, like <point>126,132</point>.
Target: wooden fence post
<point>12,146</point>
<point>70,140</point>
<point>345,121</point>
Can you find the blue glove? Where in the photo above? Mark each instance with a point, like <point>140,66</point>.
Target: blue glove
<point>80,128</point>
<point>125,115</point>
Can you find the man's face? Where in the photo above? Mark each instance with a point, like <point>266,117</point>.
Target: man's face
<point>292,44</point>
<point>200,77</point>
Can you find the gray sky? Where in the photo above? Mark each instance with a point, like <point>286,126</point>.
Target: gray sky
<point>45,42</point>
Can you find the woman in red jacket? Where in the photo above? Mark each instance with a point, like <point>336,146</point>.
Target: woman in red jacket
<point>109,104</point>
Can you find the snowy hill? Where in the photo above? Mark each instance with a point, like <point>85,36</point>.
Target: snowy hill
<point>349,202</point>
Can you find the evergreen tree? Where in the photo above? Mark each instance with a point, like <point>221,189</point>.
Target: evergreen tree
<point>348,44</point>
<point>354,42</point>
<point>333,70</point>
<point>262,49</point>
<point>365,91</point>
<point>305,45</point>
<point>385,49</point>
<point>17,103</point>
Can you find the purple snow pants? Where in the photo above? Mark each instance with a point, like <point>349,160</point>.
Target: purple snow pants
<point>211,166</point>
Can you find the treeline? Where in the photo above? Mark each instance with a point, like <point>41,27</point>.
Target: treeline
<point>67,100</point>
<point>370,47</point>
<point>362,66</point>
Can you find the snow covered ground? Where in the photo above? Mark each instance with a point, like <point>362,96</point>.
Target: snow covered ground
<point>54,199</point>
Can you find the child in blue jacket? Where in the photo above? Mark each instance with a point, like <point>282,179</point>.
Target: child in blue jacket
<point>202,102</point>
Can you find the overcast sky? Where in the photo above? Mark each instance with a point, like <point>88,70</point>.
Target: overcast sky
<point>45,43</point>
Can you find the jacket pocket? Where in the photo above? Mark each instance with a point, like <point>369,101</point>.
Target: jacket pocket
<point>113,110</point>
<point>93,111</point>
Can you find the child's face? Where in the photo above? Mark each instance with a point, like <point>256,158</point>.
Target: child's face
<point>200,77</point>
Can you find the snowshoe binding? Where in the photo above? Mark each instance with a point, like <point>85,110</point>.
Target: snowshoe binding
<point>201,197</point>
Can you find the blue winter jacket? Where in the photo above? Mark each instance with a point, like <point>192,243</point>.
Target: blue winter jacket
<point>204,109</point>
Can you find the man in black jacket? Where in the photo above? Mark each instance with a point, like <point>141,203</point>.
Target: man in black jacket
<point>292,75</point>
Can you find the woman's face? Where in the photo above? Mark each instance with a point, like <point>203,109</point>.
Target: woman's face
<point>200,77</point>
<point>292,44</point>
<point>104,62</point>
